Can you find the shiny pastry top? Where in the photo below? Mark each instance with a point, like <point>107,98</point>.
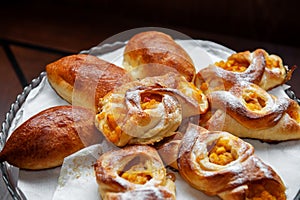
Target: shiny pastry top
<point>152,47</point>
<point>45,139</point>
<point>79,78</point>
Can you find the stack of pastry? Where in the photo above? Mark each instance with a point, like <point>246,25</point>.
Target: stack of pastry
<point>146,108</point>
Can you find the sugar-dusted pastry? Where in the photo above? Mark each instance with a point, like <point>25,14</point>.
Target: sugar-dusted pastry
<point>83,79</point>
<point>221,164</point>
<point>133,172</point>
<point>153,47</point>
<point>148,110</point>
<point>248,111</point>
<point>168,150</point>
<point>257,67</point>
<point>44,140</point>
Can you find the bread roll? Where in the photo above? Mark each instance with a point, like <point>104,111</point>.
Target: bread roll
<point>83,79</point>
<point>154,47</point>
<point>44,140</point>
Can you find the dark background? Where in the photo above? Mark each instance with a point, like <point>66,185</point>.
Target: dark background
<point>69,26</point>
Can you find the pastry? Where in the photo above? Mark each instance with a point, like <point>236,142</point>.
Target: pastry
<point>134,171</point>
<point>153,47</point>
<point>168,150</point>
<point>221,164</point>
<point>248,111</point>
<point>146,111</point>
<point>257,67</point>
<point>83,79</point>
<point>44,140</point>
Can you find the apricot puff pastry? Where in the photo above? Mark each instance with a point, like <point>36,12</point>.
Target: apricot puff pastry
<point>257,67</point>
<point>146,111</point>
<point>83,79</point>
<point>219,163</point>
<point>45,139</point>
<point>153,47</point>
<point>134,171</point>
<point>248,111</point>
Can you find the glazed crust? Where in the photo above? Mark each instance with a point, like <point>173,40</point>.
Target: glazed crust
<point>233,180</point>
<point>44,140</point>
<point>154,47</point>
<point>78,78</point>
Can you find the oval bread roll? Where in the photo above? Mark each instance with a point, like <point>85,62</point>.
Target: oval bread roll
<point>79,78</point>
<point>44,140</point>
<point>152,47</point>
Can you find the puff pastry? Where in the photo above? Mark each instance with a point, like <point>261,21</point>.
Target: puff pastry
<point>248,111</point>
<point>83,79</point>
<point>134,171</point>
<point>146,111</point>
<point>219,163</point>
<point>44,140</point>
<point>257,67</point>
<point>153,47</point>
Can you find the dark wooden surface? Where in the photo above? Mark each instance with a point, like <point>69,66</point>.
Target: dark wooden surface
<point>70,26</point>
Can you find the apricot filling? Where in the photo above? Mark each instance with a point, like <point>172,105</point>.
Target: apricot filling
<point>222,153</point>
<point>254,101</point>
<point>272,62</point>
<point>137,171</point>
<point>294,114</point>
<point>236,63</point>
<point>262,192</point>
<point>111,129</point>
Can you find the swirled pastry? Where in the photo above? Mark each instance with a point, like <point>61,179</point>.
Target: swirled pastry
<point>134,171</point>
<point>83,79</point>
<point>153,47</point>
<point>44,140</point>
<point>219,163</point>
<point>146,111</point>
<point>257,67</point>
<point>248,111</point>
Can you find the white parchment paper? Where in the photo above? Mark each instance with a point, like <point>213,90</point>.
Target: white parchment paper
<point>76,179</point>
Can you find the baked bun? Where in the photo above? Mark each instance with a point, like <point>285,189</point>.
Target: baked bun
<point>147,111</point>
<point>257,67</point>
<point>221,164</point>
<point>134,171</point>
<point>44,140</point>
<point>152,47</point>
<point>248,111</point>
<point>83,79</point>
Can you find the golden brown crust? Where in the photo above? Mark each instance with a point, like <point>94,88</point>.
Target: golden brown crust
<point>237,179</point>
<point>78,78</point>
<point>248,111</point>
<point>146,111</point>
<point>133,170</point>
<point>154,47</point>
<point>257,67</point>
<point>44,140</point>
